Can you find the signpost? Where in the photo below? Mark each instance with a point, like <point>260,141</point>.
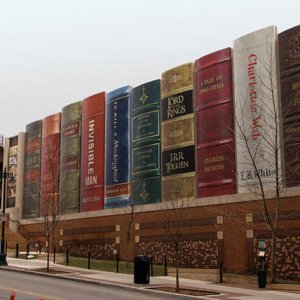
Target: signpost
<point>3,217</point>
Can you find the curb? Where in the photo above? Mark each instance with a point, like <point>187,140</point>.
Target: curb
<point>138,289</point>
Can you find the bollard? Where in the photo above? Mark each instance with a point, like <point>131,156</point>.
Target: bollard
<point>27,251</point>
<point>151,266</point>
<point>166,266</point>
<point>117,263</point>
<point>12,296</point>
<point>89,260</point>
<point>54,255</point>
<point>17,250</point>
<point>221,272</point>
<point>67,257</point>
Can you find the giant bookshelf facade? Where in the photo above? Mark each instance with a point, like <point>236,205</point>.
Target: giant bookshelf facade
<point>192,135</point>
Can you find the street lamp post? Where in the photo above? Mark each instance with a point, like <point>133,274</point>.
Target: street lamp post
<point>3,175</point>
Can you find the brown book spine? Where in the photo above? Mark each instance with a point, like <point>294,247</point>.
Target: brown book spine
<point>289,61</point>
<point>215,126</point>
<point>92,153</point>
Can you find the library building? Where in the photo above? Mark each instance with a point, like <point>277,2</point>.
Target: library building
<point>199,166</point>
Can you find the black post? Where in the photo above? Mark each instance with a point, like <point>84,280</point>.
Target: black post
<point>151,266</point>
<point>27,250</point>
<point>67,257</point>
<point>166,265</point>
<point>89,260</point>
<point>17,250</point>
<point>54,254</point>
<point>117,262</point>
<point>221,272</point>
<point>3,176</point>
<point>6,248</point>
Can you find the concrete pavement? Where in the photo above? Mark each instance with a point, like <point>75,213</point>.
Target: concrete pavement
<point>125,281</point>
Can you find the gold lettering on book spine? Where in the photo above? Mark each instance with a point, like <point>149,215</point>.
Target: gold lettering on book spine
<point>178,133</point>
<point>177,79</point>
<point>71,113</point>
<point>178,188</point>
<point>289,48</point>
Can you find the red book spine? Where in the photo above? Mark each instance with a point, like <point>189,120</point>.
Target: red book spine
<point>215,124</point>
<point>50,164</point>
<point>92,153</point>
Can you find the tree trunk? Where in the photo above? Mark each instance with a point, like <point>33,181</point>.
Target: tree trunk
<point>177,268</point>
<point>48,253</point>
<point>127,249</point>
<point>273,265</point>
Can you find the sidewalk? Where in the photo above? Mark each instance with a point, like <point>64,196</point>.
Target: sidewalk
<point>126,281</point>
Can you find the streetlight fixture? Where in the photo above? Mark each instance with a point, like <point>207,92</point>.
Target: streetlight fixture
<point>3,177</point>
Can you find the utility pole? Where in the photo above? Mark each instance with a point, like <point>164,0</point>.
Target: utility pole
<point>3,176</point>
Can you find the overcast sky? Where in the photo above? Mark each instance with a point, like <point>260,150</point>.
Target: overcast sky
<point>57,52</point>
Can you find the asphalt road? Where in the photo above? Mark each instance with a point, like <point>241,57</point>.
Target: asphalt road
<point>34,287</point>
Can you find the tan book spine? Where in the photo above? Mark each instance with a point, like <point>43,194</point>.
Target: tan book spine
<point>178,133</point>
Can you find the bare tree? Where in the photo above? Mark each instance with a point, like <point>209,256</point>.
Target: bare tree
<point>128,221</point>
<point>174,215</point>
<point>49,209</point>
<point>42,200</point>
<point>259,139</point>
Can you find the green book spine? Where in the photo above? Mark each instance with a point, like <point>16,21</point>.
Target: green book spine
<point>32,170</point>
<point>145,143</point>
<point>69,189</point>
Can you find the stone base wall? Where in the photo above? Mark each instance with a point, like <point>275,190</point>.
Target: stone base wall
<point>97,251</point>
<point>192,254</point>
<point>287,254</point>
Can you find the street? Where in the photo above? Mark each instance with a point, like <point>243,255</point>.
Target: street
<point>34,287</point>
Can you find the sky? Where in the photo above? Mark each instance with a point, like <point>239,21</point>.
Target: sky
<point>56,52</point>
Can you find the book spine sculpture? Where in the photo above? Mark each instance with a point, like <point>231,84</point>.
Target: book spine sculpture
<point>117,148</point>
<point>32,170</point>
<point>50,165</point>
<point>216,173</point>
<point>69,185</point>
<point>258,144</point>
<point>15,183</point>
<point>145,143</point>
<point>178,140</point>
<point>92,153</point>
<point>289,61</point>
<point>12,170</point>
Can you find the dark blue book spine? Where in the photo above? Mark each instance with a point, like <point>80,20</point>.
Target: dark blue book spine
<point>117,148</point>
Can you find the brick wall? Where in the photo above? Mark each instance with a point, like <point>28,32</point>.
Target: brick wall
<point>227,232</point>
